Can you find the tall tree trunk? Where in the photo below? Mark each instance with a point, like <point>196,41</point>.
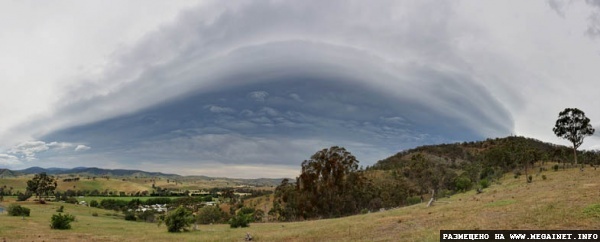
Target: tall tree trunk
<point>575,154</point>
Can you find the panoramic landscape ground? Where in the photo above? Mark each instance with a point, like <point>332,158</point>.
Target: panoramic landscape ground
<point>566,199</point>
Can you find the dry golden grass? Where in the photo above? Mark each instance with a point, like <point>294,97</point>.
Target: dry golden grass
<point>559,202</point>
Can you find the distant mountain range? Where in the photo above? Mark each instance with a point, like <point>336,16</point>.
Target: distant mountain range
<point>92,171</point>
<point>95,171</point>
<point>8,173</point>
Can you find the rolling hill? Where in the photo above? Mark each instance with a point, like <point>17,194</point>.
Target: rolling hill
<point>566,199</point>
<point>94,171</point>
<point>6,173</point>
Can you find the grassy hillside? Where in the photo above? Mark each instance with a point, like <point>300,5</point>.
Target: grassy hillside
<point>567,199</point>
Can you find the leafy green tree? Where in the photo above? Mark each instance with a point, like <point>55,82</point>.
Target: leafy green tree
<point>330,185</point>
<point>42,185</point>
<point>462,183</point>
<point>61,221</point>
<point>240,220</point>
<point>573,125</point>
<point>210,214</point>
<point>179,219</point>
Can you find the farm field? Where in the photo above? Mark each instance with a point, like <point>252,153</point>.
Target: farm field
<point>567,199</point>
<point>130,185</point>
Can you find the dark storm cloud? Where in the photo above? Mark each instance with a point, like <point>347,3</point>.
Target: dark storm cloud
<point>271,82</point>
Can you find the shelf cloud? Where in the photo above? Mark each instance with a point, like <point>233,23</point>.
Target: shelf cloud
<point>268,83</point>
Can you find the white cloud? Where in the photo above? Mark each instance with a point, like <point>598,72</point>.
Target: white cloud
<point>218,109</point>
<point>59,145</point>
<point>29,150</point>
<point>296,97</point>
<point>82,148</point>
<point>6,159</point>
<point>49,47</point>
<point>259,96</point>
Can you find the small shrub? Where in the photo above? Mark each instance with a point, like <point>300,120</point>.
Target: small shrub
<point>61,209</point>
<point>71,200</point>
<point>60,221</point>
<point>462,183</point>
<point>147,216</point>
<point>23,196</point>
<point>211,214</point>
<point>129,216</point>
<point>17,210</point>
<point>544,177</point>
<point>248,211</point>
<point>364,211</point>
<point>529,179</point>
<point>94,203</point>
<point>95,214</point>
<point>484,183</point>
<point>179,219</point>
<point>413,200</point>
<point>555,167</point>
<point>240,220</point>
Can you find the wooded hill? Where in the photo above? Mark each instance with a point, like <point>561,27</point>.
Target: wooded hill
<point>412,176</point>
<point>510,150</point>
<point>451,168</point>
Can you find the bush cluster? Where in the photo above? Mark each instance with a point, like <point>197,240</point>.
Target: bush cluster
<point>61,221</point>
<point>17,210</point>
<point>179,219</point>
<point>23,196</point>
<point>211,214</point>
<point>240,220</point>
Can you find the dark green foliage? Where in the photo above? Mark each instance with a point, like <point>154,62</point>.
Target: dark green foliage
<point>24,196</point>
<point>573,125</point>
<point>130,216</point>
<point>42,185</point>
<point>413,200</point>
<point>330,185</point>
<point>71,200</point>
<point>246,210</point>
<point>485,183</point>
<point>529,179</point>
<point>94,204</point>
<point>179,220</point>
<point>17,210</point>
<point>544,177</point>
<point>61,209</point>
<point>240,220</point>
<point>61,221</point>
<point>158,200</point>
<point>555,167</point>
<point>147,216</point>
<point>258,215</point>
<point>114,204</point>
<point>211,214</point>
<point>462,183</point>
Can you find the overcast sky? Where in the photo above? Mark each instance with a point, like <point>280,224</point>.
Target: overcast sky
<point>253,88</point>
